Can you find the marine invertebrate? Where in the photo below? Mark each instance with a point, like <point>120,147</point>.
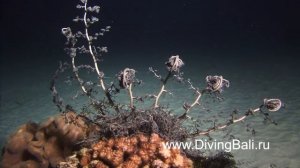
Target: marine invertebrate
<point>216,83</point>
<point>272,104</point>
<point>46,144</point>
<point>138,150</point>
<point>126,80</point>
<point>125,121</point>
<point>174,64</point>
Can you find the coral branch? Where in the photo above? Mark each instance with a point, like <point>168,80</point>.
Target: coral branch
<point>173,66</point>
<point>100,74</point>
<point>271,105</point>
<point>162,90</point>
<point>75,70</point>
<point>57,100</point>
<point>131,96</point>
<point>155,74</point>
<point>215,84</point>
<point>92,51</point>
<point>188,107</point>
<point>71,39</point>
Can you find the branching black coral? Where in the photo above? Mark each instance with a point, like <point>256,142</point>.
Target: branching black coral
<point>271,105</point>
<point>56,99</point>
<point>126,78</point>
<point>89,48</point>
<point>127,120</point>
<point>215,84</point>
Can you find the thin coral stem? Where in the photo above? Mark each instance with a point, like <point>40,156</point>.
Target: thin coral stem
<point>130,95</point>
<point>222,126</point>
<point>90,47</point>
<point>77,76</point>
<point>75,69</point>
<point>158,96</point>
<point>196,101</point>
<point>100,75</point>
<point>162,90</point>
<point>199,94</point>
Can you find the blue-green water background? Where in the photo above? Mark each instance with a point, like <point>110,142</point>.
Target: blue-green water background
<point>253,44</point>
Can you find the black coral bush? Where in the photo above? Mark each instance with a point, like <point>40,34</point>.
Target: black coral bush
<point>116,119</point>
<point>108,112</point>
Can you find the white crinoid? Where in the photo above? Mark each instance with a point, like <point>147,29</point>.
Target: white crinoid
<point>174,63</point>
<point>216,83</point>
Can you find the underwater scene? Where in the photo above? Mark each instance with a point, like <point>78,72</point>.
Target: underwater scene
<point>184,83</point>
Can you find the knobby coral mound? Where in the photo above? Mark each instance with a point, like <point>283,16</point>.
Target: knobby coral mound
<point>46,144</point>
<point>139,150</point>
